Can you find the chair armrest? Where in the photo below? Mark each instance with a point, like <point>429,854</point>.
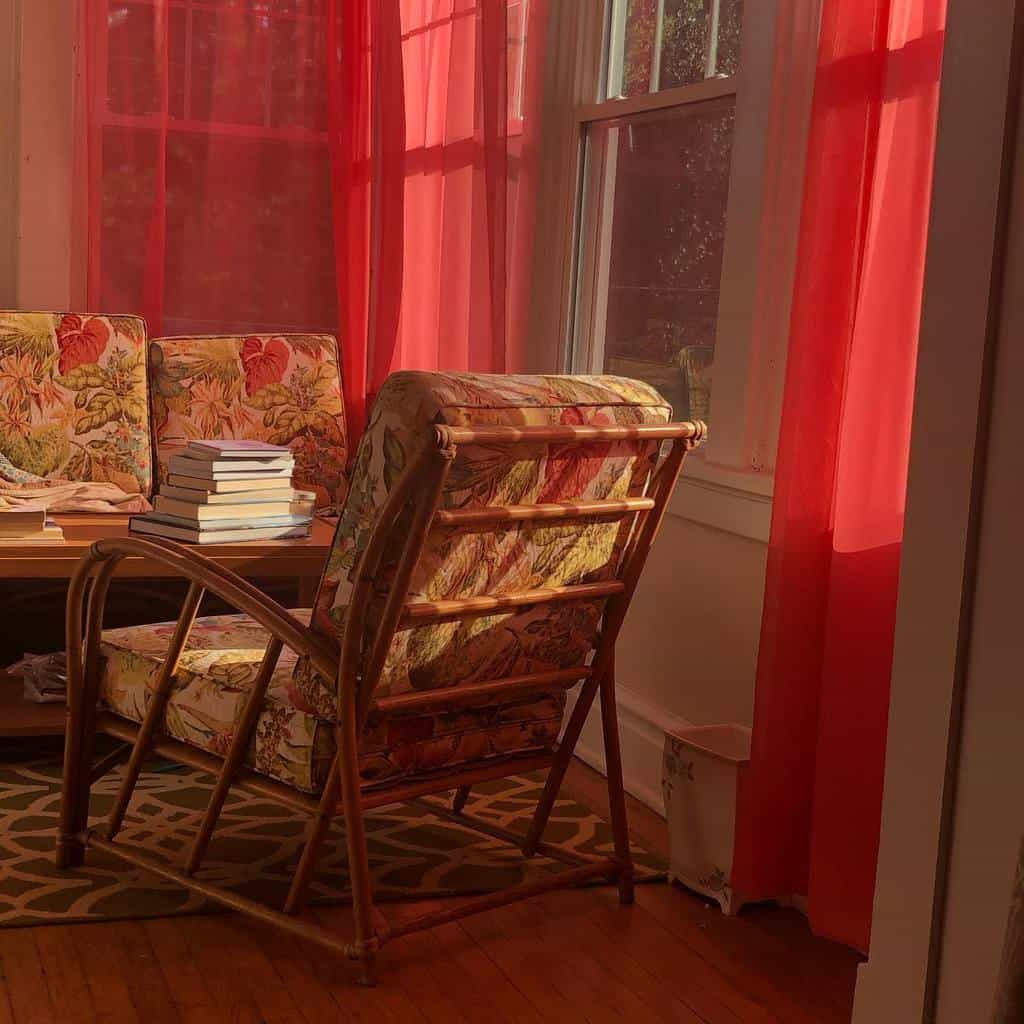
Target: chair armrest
<point>322,651</point>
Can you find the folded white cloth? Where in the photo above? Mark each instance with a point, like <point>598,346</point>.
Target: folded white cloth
<point>18,487</point>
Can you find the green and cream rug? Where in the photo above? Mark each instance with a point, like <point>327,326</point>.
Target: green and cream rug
<point>257,845</point>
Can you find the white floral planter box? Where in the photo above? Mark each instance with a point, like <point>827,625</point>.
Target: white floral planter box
<point>701,773</point>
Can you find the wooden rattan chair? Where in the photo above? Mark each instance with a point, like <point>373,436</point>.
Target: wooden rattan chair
<point>493,536</point>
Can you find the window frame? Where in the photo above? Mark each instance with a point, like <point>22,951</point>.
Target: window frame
<point>729,484</point>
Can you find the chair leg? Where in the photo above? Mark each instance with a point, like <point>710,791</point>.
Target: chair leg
<point>83,684</point>
<point>314,840</point>
<point>616,792</point>
<point>460,798</point>
<point>556,773</point>
<point>366,941</point>
<point>75,788</point>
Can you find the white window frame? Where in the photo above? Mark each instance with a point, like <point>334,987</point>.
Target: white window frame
<point>730,483</point>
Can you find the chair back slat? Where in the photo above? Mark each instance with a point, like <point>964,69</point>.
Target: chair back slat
<point>452,697</point>
<point>419,613</point>
<point>564,510</point>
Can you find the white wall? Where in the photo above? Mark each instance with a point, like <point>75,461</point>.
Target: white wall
<point>988,818</point>
<point>690,642</point>
<point>688,650</point>
<point>44,227</point>
<point>10,33</point>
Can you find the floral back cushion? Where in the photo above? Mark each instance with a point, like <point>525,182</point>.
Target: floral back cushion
<point>73,399</point>
<point>462,562</point>
<point>282,388</point>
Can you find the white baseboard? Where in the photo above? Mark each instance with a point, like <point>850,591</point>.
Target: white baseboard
<point>642,728</point>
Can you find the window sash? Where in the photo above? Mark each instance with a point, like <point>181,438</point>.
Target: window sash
<point>615,48</point>
<point>772,91</point>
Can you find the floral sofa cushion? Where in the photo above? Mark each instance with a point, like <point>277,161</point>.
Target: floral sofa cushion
<point>73,399</point>
<point>524,555</point>
<point>291,744</point>
<point>282,388</point>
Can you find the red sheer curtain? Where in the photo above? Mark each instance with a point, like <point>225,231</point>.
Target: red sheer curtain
<point>433,130</point>
<point>207,165</point>
<point>356,166</point>
<point>811,803</point>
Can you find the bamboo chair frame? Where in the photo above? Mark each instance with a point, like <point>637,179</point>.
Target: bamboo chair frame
<point>357,665</point>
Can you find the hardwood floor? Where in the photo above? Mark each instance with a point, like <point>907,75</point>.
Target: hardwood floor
<point>568,956</point>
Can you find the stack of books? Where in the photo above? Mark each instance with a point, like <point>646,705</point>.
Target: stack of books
<point>225,491</point>
<point>28,524</point>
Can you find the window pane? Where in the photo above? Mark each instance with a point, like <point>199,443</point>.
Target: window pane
<point>133,76</point>
<point>228,65</point>
<point>656,274</point>
<point>730,21</point>
<point>663,44</point>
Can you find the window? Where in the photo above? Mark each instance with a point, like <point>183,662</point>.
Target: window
<point>672,261</point>
<point>243,110</point>
<point>657,172</point>
<point>661,44</point>
<point>213,137</point>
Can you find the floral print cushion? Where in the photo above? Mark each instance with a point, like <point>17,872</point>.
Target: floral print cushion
<point>524,555</point>
<point>282,388</point>
<point>73,399</point>
<point>215,674</point>
<point>292,745</point>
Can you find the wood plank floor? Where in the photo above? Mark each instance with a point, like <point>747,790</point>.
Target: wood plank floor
<point>568,956</point>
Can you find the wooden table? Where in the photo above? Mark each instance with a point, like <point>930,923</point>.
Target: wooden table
<point>301,559</point>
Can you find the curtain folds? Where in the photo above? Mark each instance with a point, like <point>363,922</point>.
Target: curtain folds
<point>434,137</point>
<point>810,811</point>
<point>357,166</point>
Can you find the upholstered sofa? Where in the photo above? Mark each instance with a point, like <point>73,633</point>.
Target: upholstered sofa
<point>86,397</point>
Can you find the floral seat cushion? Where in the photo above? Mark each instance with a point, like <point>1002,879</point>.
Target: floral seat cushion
<point>73,399</point>
<point>524,555</point>
<point>291,744</point>
<point>283,388</point>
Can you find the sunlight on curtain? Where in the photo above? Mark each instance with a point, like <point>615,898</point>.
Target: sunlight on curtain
<point>352,166</point>
<point>810,817</point>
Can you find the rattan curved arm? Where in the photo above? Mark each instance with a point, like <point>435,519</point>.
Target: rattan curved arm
<point>100,563</point>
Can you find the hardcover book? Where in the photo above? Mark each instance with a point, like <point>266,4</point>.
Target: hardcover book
<point>201,496</point>
<point>228,485</point>
<point>227,468</point>
<point>197,535</point>
<point>214,450</point>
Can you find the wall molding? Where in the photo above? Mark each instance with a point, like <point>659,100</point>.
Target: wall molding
<point>642,726</point>
<point>737,510</point>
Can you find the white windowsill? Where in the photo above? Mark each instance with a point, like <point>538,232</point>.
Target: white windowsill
<point>734,501</point>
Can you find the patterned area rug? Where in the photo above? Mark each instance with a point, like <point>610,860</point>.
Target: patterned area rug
<point>257,844</point>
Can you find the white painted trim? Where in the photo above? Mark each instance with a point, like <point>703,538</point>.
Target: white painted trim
<point>572,77</point>
<point>642,727</point>
<point>773,102</point>
<point>698,92</point>
<point>737,510</point>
